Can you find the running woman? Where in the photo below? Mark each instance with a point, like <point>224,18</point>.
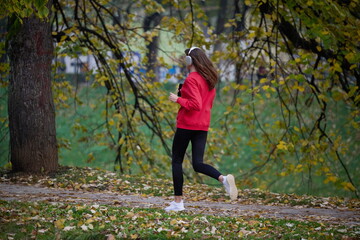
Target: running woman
<point>193,121</point>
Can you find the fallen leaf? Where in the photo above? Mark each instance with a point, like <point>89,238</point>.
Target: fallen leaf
<point>84,227</point>
<point>68,228</point>
<point>59,224</point>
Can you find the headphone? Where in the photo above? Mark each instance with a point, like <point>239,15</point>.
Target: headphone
<point>188,58</point>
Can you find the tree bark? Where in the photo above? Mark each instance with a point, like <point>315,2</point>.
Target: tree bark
<point>33,144</point>
<point>151,22</point>
<point>221,19</point>
<point>240,8</point>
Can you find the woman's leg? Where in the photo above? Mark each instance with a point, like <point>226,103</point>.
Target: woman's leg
<point>180,143</point>
<point>198,142</point>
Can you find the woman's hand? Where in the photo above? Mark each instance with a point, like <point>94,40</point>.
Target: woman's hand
<point>173,97</point>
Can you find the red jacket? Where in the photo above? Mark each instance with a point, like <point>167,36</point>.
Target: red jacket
<point>196,102</point>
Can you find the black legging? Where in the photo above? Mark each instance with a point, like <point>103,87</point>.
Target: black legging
<point>181,141</point>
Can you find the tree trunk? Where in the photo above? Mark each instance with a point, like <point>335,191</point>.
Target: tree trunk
<point>151,22</point>
<point>33,144</point>
<point>221,18</point>
<point>240,8</point>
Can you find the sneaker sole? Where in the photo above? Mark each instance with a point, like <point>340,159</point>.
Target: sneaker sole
<point>233,190</point>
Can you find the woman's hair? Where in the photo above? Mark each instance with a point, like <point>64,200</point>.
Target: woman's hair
<point>203,66</point>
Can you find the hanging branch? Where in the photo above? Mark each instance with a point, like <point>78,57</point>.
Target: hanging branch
<point>140,91</point>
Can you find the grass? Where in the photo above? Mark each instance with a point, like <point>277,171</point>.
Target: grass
<point>42,220</point>
<point>49,220</point>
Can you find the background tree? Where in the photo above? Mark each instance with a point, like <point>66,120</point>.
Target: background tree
<point>150,23</point>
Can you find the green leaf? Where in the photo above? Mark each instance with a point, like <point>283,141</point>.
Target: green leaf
<point>43,12</point>
<point>39,3</point>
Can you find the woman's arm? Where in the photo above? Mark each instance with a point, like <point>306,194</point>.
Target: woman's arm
<point>193,100</point>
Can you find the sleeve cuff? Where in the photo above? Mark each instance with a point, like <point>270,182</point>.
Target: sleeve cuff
<point>179,100</point>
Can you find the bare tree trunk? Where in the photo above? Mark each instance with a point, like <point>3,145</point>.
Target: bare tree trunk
<point>240,8</point>
<point>33,144</point>
<point>221,19</point>
<point>151,22</point>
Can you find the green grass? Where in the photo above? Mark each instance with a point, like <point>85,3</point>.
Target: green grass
<point>42,220</point>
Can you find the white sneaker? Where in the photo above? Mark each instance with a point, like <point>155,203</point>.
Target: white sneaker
<point>174,206</point>
<point>230,187</point>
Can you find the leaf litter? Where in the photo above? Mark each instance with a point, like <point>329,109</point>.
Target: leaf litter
<point>255,213</point>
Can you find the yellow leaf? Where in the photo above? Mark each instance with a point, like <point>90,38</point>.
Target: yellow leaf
<point>350,57</point>
<point>102,79</point>
<point>352,91</point>
<point>252,35</point>
<point>330,178</point>
<point>59,224</point>
<point>73,38</point>
<point>263,80</point>
<point>121,141</point>
<point>348,186</point>
<point>90,220</point>
<point>134,236</point>
<point>63,37</point>
<point>299,168</point>
<point>241,87</point>
<point>111,122</point>
<point>130,215</point>
<point>337,67</point>
<point>226,89</point>
<point>265,87</point>
<point>296,129</point>
<point>300,88</point>
<point>318,48</point>
<point>282,145</point>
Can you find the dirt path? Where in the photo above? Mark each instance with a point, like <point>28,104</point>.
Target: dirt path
<point>347,217</point>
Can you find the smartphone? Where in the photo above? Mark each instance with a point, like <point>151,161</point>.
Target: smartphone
<point>179,90</point>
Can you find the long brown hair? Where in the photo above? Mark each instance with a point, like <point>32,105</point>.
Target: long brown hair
<point>204,66</point>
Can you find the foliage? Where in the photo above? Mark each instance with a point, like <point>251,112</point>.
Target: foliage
<point>310,57</point>
<point>24,8</point>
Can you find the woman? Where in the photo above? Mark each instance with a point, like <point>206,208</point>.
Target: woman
<point>193,120</point>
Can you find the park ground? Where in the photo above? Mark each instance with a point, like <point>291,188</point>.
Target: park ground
<point>86,203</point>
